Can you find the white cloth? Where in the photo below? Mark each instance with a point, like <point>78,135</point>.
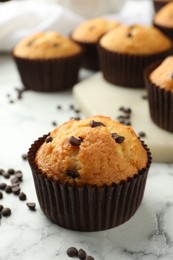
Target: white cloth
<point>21,18</point>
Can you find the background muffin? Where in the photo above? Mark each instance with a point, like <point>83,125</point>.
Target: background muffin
<point>159,83</point>
<point>163,20</point>
<point>47,61</point>
<point>95,165</point>
<point>125,52</point>
<point>87,34</point>
<point>158,4</point>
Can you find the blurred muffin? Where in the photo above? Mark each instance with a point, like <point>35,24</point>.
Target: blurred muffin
<point>159,83</point>
<point>47,61</point>
<point>126,51</point>
<point>97,166</point>
<point>163,20</point>
<point>87,34</point>
<point>158,4</point>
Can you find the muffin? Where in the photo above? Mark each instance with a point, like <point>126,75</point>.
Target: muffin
<point>163,20</point>
<point>126,51</point>
<point>90,174</point>
<point>158,4</point>
<point>47,61</point>
<point>159,83</point>
<point>87,34</point>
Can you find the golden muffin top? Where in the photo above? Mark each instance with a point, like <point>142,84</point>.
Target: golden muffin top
<point>164,17</point>
<point>93,151</point>
<point>162,76</point>
<point>91,30</point>
<point>135,39</point>
<point>45,45</point>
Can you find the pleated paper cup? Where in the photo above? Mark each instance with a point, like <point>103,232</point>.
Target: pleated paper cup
<point>49,75</point>
<point>87,208</point>
<point>160,101</point>
<point>126,70</point>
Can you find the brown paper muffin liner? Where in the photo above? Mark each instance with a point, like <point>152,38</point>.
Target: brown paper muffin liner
<point>49,75</point>
<point>87,208</point>
<point>160,101</point>
<point>124,69</point>
<point>159,4</point>
<point>165,30</point>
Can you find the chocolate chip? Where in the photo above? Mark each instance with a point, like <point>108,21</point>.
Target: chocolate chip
<point>77,111</point>
<point>1,195</point>
<point>89,258</point>
<point>59,107</point>
<point>75,141</point>
<point>11,171</point>
<point>6,212</point>
<point>1,171</point>
<point>11,101</point>
<point>25,157</point>
<point>95,124</point>
<point>48,139</point>
<point>1,207</point>
<point>54,123</point>
<point>6,175</point>
<point>129,35</point>
<point>127,123</point>
<point>76,118</point>
<point>72,174</point>
<point>31,205</point>
<point>71,107</point>
<point>16,190</point>
<point>22,196</point>
<point>142,134</point>
<point>72,251</point>
<point>118,138</point>
<point>2,185</point>
<point>8,189</point>
<point>19,175</point>
<point>15,180</point>
<point>144,97</point>
<point>82,254</point>
<point>15,184</point>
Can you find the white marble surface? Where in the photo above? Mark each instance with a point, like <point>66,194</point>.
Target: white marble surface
<point>27,235</point>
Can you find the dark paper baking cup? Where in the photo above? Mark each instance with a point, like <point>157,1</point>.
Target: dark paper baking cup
<point>160,101</point>
<point>124,69</point>
<point>87,208</point>
<point>49,75</point>
<point>159,4</point>
<point>165,30</point>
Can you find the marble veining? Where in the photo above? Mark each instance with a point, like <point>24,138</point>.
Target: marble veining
<point>27,235</point>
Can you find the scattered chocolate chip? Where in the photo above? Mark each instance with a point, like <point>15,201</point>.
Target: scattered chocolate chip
<point>142,134</point>
<point>127,123</point>
<point>127,110</point>
<point>2,185</point>
<point>89,258</point>
<point>6,175</point>
<point>6,212</point>
<point>59,107</point>
<point>76,118</point>
<point>77,111</point>
<point>129,35</point>
<point>15,184</point>
<point>72,174</point>
<point>71,107</point>
<point>75,141</point>
<point>31,205</point>
<point>54,123</point>
<point>22,196</point>
<point>72,251</point>
<point>19,175</point>
<point>11,101</point>
<point>20,92</point>
<point>15,180</point>
<point>1,195</point>
<point>1,207</point>
<point>118,138</point>
<point>25,156</point>
<point>82,254</point>
<point>8,95</point>
<point>1,171</point>
<point>95,124</point>
<point>11,171</point>
<point>144,97</point>
<point>8,189</point>
<point>16,190</point>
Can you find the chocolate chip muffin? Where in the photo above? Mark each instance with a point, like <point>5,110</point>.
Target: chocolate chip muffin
<point>159,83</point>
<point>87,34</point>
<point>126,51</point>
<point>95,165</point>
<point>163,20</point>
<point>47,61</point>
